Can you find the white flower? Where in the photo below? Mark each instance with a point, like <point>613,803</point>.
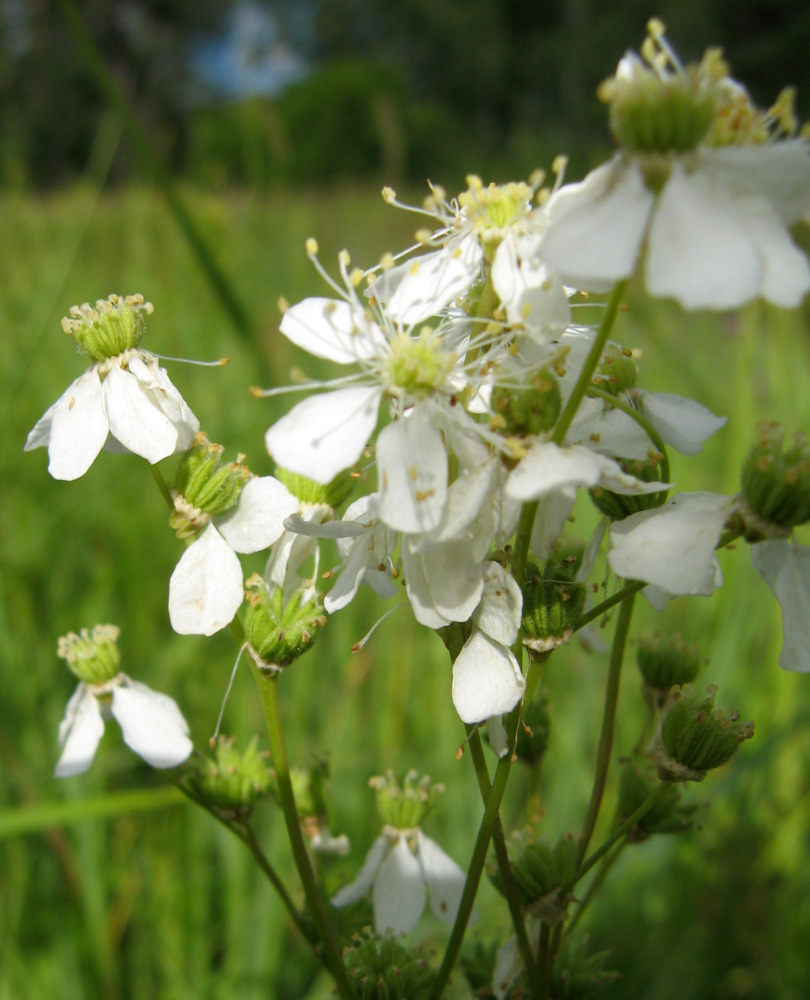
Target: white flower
<point>206,587</point>
<point>402,866</point>
<point>151,723</point>
<point>714,217</point>
<point>127,401</point>
<point>487,680</point>
<point>785,567</point>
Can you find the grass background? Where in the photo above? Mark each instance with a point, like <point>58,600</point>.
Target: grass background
<point>157,901</point>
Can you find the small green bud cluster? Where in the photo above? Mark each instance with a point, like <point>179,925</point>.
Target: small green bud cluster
<point>232,783</point>
<point>278,633</point>
<point>532,736</point>
<point>637,781</point>
<point>405,806</point>
<point>618,371</point>
<point>775,484</point>
<point>115,325</point>
<point>540,874</point>
<point>618,506</point>
<point>93,654</point>
<point>553,603</point>
<point>383,968</point>
<point>309,492</point>
<point>697,737</point>
<point>205,486</point>
<point>530,409</point>
<point>665,662</point>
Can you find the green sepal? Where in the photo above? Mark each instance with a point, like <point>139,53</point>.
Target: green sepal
<point>232,782</point>
<point>278,633</point>
<point>530,409</point>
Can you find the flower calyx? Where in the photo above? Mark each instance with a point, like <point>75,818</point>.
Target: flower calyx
<point>697,737</point>
<point>92,654</point>
<point>553,603</point>
<point>664,662</point>
<point>278,633</point>
<point>775,485</point>
<point>232,782</point>
<point>111,327</point>
<point>541,874</point>
<point>527,410</point>
<point>618,506</point>
<point>617,372</point>
<point>381,967</point>
<point>205,486</point>
<point>314,494</point>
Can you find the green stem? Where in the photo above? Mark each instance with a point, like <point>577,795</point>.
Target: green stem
<point>590,365</point>
<point>520,553</point>
<point>619,404</point>
<point>607,863</point>
<point>502,859</point>
<point>608,719</point>
<point>162,485</point>
<point>545,959</point>
<point>268,688</point>
<point>626,591</point>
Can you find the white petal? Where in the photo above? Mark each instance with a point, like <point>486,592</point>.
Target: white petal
<point>163,393</point>
<point>456,579</point>
<point>699,251</point>
<point>333,330</point>
<point>596,227</point>
<point>553,512</point>
<point>418,589</point>
<point>40,434</point>
<point>205,589</point>
<point>532,296</point>
<point>785,567</point>
<point>465,498</point>
<point>786,273</point>
<point>135,418</point>
<point>611,432</point>
<point>498,739</point>
<point>258,519</point>
<point>501,606</point>
<point>673,546</point>
<point>399,891</point>
<point>508,965</point>
<point>546,468</point>
<point>365,878</point>
<point>152,724</point>
<point>79,733</point>
<point>330,529</point>
<point>681,422</point>
<point>351,576</point>
<point>420,288</point>
<point>326,433</point>
<point>79,428</point>
<point>486,679</point>
<point>444,879</point>
<point>412,472</point>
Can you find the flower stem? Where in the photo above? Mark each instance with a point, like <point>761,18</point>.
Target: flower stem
<point>608,719</point>
<point>591,362</point>
<point>504,868</point>
<point>157,475</point>
<point>626,591</point>
<point>607,863</point>
<point>545,959</point>
<point>268,687</point>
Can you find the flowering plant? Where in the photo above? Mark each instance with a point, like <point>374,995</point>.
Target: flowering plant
<point>471,413</point>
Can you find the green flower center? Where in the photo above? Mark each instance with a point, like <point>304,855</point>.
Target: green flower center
<point>114,325</point>
<point>417,365</point>
<point>92,654</point>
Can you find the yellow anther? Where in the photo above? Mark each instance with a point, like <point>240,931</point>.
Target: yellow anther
<point>311,246</point>
<point>389,195</point>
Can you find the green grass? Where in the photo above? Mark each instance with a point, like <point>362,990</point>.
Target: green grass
<point>156,901</point>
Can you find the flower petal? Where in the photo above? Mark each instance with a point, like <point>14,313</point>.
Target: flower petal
<point>486,679</point>
<point>79,733</point>
<point>444,879</point>
<point>334,330</point>
<point>785,567</point>
<point>681,422</point>
<point>365,879</point>
<point>258,519</point>
<point>499,611</point>
<point>152,724</point>
<point>79,427</point>
<point>412,472</point>
<point>399,891</point>
<point>672,546</point>
<point>326,433</point>
<point>455,578</point>
<point>136,419</point>
<point>532,296</point>
<point>205,589</point>
<point>596,227</point>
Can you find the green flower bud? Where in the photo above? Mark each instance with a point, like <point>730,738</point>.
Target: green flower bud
<point>577,974</point>
<point>664,662</point>
<point>775,484</point>
<point>232,782</point>
<point>553,603</point>
<point>383,968</point>
<point>618,506</point>
<point>308,491</point>
<point>532,736</point>
<point>531,409</point>
<point>637,781</point>
<point>278,633</point>
<point>617,371</point>
<point>696,737</point>
<point>115,325</point>
<point>205,486</point>
<point>540,872</point>
<point>92,655</point>
<point>404,806</point>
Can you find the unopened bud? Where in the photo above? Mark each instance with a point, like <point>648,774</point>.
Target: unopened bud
<point>233,781</point>
<point>664,662</point>
<point>540,873</point>
<point>775,484</point>
<point>383,968</point>
<point>278,633</point>
<point>618,506</point>
<point>553,603</point>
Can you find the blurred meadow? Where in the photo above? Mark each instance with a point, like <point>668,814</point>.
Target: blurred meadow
<point>111,884</point>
